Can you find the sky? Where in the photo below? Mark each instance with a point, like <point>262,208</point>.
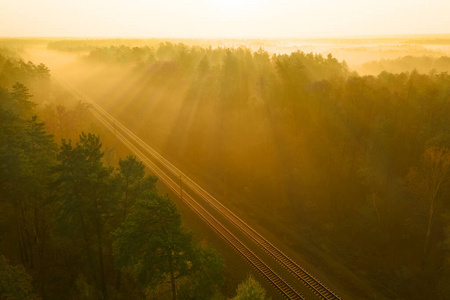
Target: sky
<point>222,19</point>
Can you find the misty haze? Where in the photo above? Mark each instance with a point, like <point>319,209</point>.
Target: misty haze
<point>225,150</point>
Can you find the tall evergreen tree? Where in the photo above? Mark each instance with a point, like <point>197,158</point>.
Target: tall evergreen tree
<point>152,245</point>
<point>83,193</point>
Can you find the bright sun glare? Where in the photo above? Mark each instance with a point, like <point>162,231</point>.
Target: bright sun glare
<point>222,18</point>
<point>234,6</point>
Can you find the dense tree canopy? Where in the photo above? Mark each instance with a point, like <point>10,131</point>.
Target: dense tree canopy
<point>338,156</point>
<point>333,163</point>
<point>15,283</point>
<point>63,206</point>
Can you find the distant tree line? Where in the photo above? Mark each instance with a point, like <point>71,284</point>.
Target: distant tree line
<point>424,64</point>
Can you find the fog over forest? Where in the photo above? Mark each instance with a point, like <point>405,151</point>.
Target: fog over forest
<point>225,150</point>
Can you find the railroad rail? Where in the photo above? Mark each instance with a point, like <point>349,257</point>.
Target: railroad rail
<point>301,274</point>
<point>281,285</point>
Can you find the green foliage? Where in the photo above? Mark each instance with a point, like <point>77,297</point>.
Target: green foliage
<point>63,204</point>
<point>83,186</point>
<point>131,170</point>
<point>152,246</point>
<point>13,70</point>
<point>151,243</point>
<point>250,289</point>
<point>82,180</point>
<point>85,291</point>
<point>27,154</point>
<point>12,157</point>
<point>306,144</point>
<point>133,184</point>
<point>298,134</point>
<point>15,282</point>
<point>18,101</point>
<point>206,275</point>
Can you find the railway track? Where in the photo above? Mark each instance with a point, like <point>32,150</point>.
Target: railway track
<point>257,263</point>
<point>137,146</point>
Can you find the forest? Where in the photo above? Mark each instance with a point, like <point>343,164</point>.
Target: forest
<point>336,164</point>
<point>423,64</point>
<point>73,227</point>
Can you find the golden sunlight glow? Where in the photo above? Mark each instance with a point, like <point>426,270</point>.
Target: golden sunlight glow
<point>235,6</point>
<point>222,18</point>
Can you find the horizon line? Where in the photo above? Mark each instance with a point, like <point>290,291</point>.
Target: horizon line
<point>324,37</point>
